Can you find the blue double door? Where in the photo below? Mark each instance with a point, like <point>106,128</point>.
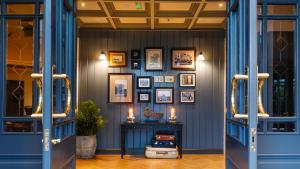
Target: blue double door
<point>37,84</point>
<point>262,118</point>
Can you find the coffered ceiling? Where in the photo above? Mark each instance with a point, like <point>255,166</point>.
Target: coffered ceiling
<point>152,14</point>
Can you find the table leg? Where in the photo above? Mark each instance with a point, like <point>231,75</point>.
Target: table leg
<point>180,143</point>
<point>122,142</point>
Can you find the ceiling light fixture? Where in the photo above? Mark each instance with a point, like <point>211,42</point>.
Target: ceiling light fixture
<point>82,4</point>
<point>221,5</point>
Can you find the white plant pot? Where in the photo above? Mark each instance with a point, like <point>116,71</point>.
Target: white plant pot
<point>86,146</point>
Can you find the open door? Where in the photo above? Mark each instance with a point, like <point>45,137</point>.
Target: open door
<point>57,86</point>
<point>244,86</point>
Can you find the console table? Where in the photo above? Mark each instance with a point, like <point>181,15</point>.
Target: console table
<point>176,127</point>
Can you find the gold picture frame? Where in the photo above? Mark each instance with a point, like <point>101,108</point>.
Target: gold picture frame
<point>154,59</point>
<point>183,59</point>
<point>117,59</point>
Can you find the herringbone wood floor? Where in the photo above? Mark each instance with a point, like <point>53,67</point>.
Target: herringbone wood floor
<point>133,162</point>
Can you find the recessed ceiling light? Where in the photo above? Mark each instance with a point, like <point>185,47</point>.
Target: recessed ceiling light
<point>82,4</point>
<point>221,5</point>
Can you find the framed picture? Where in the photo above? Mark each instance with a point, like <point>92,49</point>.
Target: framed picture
<point>144,97</point>
<point>170,79</point>
<point>154,59</point>
<point>187,96</point>
<point>183,59</point>
<point>120,87</point>
<point>135,54</point>
<point>164,95</point>
<point>135,64</point>
<point>187,79</point>
<point>117,59</point>
<point>144,82</point>
<point>158,79</point>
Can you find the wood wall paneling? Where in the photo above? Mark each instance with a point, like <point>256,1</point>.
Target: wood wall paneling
<point>203,121</point>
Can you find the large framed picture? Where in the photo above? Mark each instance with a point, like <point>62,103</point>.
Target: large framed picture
<point>183,59</point>
<point>187,79</point>
<point>187,96</point>
<point>120,87</point>
<point>164,95</point>
<point>144,82</point>
<point>144,97</point>
<point>154,59</point>
<point>117,59</point>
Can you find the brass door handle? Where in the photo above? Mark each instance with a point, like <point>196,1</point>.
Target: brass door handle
<point>38,112</point>
<point>261,79</point>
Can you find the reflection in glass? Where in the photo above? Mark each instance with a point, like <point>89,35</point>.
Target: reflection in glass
<point>281,127</point>
<point>281,59</point>
<point>12,126</point>
<point>20,9</point>
<point>281,9</point>
<point>19,67</point>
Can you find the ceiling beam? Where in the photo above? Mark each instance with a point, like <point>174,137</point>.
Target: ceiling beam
<point>200,8</point>
<point>152,8</point>
<point>159,1</point>
<point>102,5</point>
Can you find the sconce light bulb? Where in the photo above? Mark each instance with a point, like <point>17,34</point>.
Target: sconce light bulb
<point>102,57</point>
<point>201,57</point>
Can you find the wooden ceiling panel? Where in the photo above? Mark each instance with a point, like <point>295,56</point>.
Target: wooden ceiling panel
<point>88,5</point>
<point>152,14</point>
<point>174,6</point>
<point>92,20</point>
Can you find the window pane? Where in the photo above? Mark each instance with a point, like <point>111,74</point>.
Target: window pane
<point>41,8</point>
<point>20,9</point>
<point>281,9</point>
<point>281,127</point>
<point>20,51</point>
<point>281,66</point>
<point>259,9</point>
<point>11,126</point>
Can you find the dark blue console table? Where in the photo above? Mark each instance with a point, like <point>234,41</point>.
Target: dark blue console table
<point>176,127</point>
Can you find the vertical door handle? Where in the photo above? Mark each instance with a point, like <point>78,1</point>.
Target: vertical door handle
<point>261,79</point>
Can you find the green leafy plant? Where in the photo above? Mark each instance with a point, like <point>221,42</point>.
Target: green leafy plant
<point>88,119</point>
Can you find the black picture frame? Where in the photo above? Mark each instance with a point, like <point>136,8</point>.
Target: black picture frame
<point>136,64</point>
<point>149,78</point>
<point>187,102</point>
<point>194,79</point>
<point>144,93</point>
<point>146,60</point>
<point>135,54</point>
<point>161,89</point>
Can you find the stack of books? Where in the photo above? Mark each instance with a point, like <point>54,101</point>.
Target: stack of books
<point>163,146</point>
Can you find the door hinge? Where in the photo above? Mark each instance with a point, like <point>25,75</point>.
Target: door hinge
<point>253,134</point>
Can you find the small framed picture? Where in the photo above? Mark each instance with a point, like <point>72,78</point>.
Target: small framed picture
<point>164,95</point>
<point>135,64</point>
<point>154,59</point>
<point>120,87</point>
<point>144,82</point>
<point>117,59</point>
<point>170,79</point>
<point>135,54</point>
<point>158,79</point>
<point>144,97</point>
<point>183,59</point>
<point>187,79</point>
<point>187,96</point>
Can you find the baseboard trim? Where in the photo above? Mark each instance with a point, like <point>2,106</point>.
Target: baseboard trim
<point>140,151</point>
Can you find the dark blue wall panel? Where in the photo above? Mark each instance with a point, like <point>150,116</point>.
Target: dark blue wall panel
<point>203,121</point>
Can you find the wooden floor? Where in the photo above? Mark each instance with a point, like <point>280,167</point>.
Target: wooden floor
<point>133,162</point>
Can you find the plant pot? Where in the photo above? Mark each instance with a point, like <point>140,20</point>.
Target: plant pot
<point>86,146</point>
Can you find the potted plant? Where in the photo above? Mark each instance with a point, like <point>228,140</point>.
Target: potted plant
<point>88,120</point>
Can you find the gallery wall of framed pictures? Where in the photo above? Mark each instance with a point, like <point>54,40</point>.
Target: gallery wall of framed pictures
<point>160,87</point>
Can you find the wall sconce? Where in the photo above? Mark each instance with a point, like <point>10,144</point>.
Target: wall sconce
<point>201,57</point>
<point>103,59</point>
<point>130,118</point>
